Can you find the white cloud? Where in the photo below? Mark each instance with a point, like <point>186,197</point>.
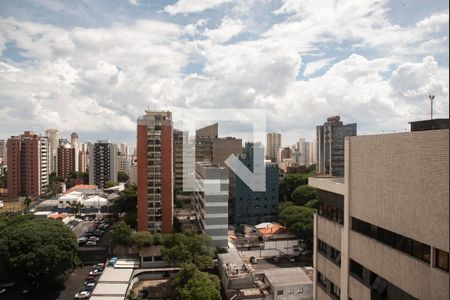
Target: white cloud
<point>134,2</point>
<point>317,65</point>
<point>227,29</point>
<point>193,6</point>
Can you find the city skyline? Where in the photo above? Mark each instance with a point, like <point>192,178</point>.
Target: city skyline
<point>73,66</point>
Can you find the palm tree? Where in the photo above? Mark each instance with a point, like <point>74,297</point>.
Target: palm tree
<point>26,203</point>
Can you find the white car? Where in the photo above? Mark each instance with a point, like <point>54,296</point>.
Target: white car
<point>83,295</point>
<point>95,272</point>
<point>91,243</point>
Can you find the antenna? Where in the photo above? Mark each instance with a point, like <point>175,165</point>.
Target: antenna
<point>431,97</point>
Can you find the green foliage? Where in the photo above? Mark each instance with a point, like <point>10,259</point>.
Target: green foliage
<point>75,207</point>
<point>289,183</point>
<point>54,186</point>
<point>122,177</point>
<point>4,180</point>
<point>37,254</point>
<point>311,168</point>
<point>110,183</point>
<point>130,219</point>
<point>127,201</point>
<point>189,247</point>
<point>283,205</point>
<point>302,194</point>
<point>192,284</point>
<point>122,234</point>
<point>312,204</point>
<point>300,220</point>
<point>26,203</point>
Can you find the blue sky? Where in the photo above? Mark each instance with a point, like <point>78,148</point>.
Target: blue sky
<point>93,66</point>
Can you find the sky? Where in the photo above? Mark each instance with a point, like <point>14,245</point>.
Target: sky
<point>94,66</point>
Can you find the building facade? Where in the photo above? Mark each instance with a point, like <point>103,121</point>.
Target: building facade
<point>155,172</point>
<point>102,163</point>
<point>273,146</point>
<point>248,206</point>
<point>27,165</point>
<point>211,202</point>
<point>382,231</point>
<point>66,160</point>
<point>76,147</point>
<point>330,145</point>
<point>53,140</point>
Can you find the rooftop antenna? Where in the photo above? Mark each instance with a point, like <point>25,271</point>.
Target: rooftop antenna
<point>431,97</point>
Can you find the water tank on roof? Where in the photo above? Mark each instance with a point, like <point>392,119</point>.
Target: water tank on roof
<point>334,119</point>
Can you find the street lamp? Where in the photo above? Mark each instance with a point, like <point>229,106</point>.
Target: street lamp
<point>431,97</point>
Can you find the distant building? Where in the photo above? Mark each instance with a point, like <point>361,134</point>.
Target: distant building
<point>3,152</point>
<point>83,158</point>
<point>27,165</point>
<point>285,153</point>
<point>330,145</point>
<point>66,160</point>
<point>248,206</point>
<point>53,141</point>
<point>273,146</point>
<point>184,160</point>
<point>211,202</point>
<point>102,163</point>
<point>155,172</point>
<point>210,148</point>
<point>382,231</point>
<point>76,147</point>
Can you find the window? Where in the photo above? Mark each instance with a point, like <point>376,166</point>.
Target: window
<point>300,291</point>
<point>335,290</point>
<point>441,260</point>
<point>356,269</point>
<point>280,292</point>
<point>291,292</point>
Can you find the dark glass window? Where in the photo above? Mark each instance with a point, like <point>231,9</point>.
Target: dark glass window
<point>441,260</point>
<point>356,269</point>
<point>394,240</point>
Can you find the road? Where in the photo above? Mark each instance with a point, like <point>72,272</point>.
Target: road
<point>74,283</point>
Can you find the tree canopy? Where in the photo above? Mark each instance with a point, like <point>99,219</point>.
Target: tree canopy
<point>290,182</point>
<point>122,176</point>
<point>303,193</point>
<point>192,284</point>
<point>37,254</point>
<point>300,220</point>
<point>126,203</point>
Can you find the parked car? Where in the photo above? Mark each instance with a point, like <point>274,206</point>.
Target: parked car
<point>291,258</point>
<point>82,240</point>
<point>100,266</point>
<point>83,295</point>
<point>95,272</point>
<point>91,243</point>
<point>253,260</point>
<point>89,286</point>
<point>89,279</point>
<point>112,261</point>
<point>275,259</point>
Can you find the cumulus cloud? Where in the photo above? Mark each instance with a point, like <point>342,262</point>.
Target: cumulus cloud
<point>317,65</point>
<point>193,6</point>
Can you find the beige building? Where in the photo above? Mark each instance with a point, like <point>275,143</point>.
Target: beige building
<point>273,146</point>
<point>382,231</point>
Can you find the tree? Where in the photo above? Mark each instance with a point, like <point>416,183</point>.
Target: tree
<point>26,203</point>
<point>4,180</point>
<point>189,247</point>
<point>110,183</point>
<point>300,220</point>
<point>126,203</point>
<point>303,194</point>
<point>283,205</point>
<point>312,204</point>
<point>289,183</point>
<point>122,234</point>
<point>122,177</point>
<point>311,168</point>
<point>177,225</point>
<point>38,254</point>
<point>192,284</point>
<point>76,207</point>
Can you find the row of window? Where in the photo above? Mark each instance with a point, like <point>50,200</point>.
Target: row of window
<point>290,292</point>
<point>329,252</point>
<point>394,240</point>
<point>380,288</point>
<point>328,286</point>
<point>331,213</point>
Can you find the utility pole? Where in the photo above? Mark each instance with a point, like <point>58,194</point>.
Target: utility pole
<point>431,97</point>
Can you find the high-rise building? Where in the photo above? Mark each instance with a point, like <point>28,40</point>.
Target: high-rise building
<point>66,160</point>
<point>382,230</point>
<point>27,165</point>
<point>285,153</point>
<point>155,172</point>
<point>74,142</point>
<point>211,202</point>
<point>330,145</point>
<point>3,152</point>
<point>83,158</point>
<point>53,141</point>
<point>273,146</point>
<point>210,148</point>
<point>248,206</point>
<point>184,161</point>
<point>102,163</point>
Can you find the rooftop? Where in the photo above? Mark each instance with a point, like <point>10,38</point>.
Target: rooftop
<point>116,275</point>
<point>287,276</point>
